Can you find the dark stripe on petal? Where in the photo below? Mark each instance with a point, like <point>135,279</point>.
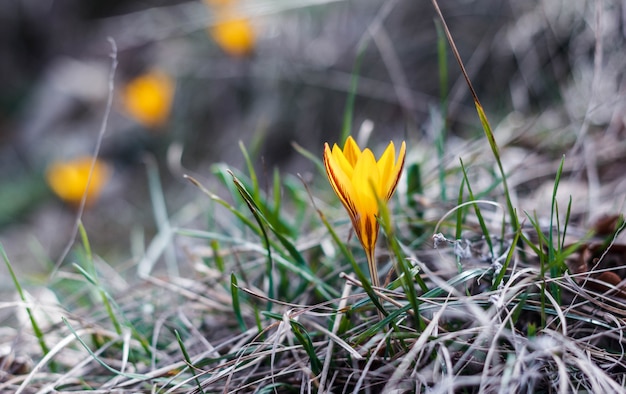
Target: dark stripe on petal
<point>340,190</point>
<point>395,182</point>
<point>370,232</point>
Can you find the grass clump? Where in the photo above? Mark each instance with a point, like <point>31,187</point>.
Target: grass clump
<point>273,304</point>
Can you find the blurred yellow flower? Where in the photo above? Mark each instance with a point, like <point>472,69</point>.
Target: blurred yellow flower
<point>360,181</point>
<point>234,34</point>
<point>220,3</point>
<point>68,179</point>
<point>148,98</point>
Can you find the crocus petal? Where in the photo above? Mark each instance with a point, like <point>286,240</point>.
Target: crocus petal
<point>391,180</point>
<point>365,181</point>
<point>351,151</point>
<point>386,165</point>
<point>339,180</point>
<point>345,166</point>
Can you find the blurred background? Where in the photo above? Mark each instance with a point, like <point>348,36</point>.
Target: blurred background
<point>193,78</point>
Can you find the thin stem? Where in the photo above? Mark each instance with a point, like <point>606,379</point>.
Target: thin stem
<point>373,266</point>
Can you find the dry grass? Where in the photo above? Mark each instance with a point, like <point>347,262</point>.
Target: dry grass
<point>255,295</point>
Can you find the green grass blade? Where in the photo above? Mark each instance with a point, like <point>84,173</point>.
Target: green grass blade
<point>458,233</point>
<point>482,116</point>
<point>110,306</point>
<point>507,262</point>
<point>348,114</point>
<point>104,296</point>
<point>276,191</point>
<point>33,322</point>
<point>442,66</point>
<point>234,291</point>
<point>253,177</point>
<point>479,216</point>
<point>404,271</point>
<point>90,278</point>
<point>217,257</point>
<point>222,173</point>
<point>367,286</point>
<point>415,187</point>
<point>93,278</point>
<point>567,218</point>
<point>556,269</point>
<point>257,216</point>
<point>496,153</point>
<point>87,247</point>
<point>459,212</point>
<point>305,340</point>
<point>311,156</point>
<point>464,277</point>
<point>258,230</point>
<point>543,264</point>
<point>263,221</point>
<point>440,141</point>
<point>183,349</point>
<point>247,222</point>
<point>293,188</point>
<point>257,321</point>
<point>414,184</point>
<point>159,209</point>
<point>98,359</point>
<point>385,220</point>
<point>321,286</point>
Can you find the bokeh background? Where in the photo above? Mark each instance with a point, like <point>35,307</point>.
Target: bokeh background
<point>204,75</point>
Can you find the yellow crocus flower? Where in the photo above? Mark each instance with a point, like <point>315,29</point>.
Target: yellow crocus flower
<point>148,98</point>
<point>68,179</point>
<point>234,34</point>
<point>360,181</point>
<point>232,30</point>
<point>220,3</point>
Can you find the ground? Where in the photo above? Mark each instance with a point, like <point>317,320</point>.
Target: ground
<point>215,255</point>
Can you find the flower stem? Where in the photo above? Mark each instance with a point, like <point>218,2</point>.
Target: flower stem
<point>371,263</point>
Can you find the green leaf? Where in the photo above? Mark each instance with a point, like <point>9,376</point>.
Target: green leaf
<point>183,349</point>
<point>305,340</point>
<point>234,291</point>
<point>479,216</point>
<point>38,333</point>
<point>348,114</point>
